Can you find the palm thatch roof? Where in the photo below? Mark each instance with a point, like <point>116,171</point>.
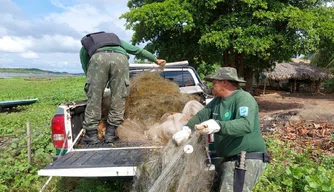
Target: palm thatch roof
<point>298,71</point>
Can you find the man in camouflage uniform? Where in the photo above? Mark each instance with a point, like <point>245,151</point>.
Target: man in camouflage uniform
<point>233,117</point>
<point>104,58</point>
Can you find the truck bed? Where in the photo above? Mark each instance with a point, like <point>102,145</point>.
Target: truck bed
<point>98,162</point>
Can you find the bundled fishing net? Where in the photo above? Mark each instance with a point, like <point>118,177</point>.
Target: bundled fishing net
<point>151,96</point>
<point>155,110</point>
<point>173,169</point>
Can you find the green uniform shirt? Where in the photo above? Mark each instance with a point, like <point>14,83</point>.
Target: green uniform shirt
<point>238,117</point>
<point>127,49</point>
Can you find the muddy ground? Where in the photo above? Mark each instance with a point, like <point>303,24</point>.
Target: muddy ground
<point>304,119</point>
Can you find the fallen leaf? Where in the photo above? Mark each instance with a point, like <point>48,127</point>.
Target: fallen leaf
<point>316,125</point>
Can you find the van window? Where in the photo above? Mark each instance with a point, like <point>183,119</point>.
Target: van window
<point>182,78</point>
<point>134,72</point>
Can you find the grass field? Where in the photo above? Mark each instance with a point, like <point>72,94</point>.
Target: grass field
<point>16,174</point>
<point>289,170</point>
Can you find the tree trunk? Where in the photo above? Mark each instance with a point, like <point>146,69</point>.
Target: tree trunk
<point>257,78</point>
<point>294,85</point>
<point>225,58</point>
<point>298,87</point>
<point>317,87</point>
<point>249,80</point>
<point>241,65</point>
<point>233,59</point>
<point>311,86</point>
<point>264,87</point>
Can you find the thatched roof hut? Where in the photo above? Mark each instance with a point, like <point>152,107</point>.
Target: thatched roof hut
<point>297,71</point>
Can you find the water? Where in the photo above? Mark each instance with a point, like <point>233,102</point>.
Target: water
<point>9,75</point>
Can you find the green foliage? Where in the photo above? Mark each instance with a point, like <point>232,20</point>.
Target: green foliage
<point>324,56</point>
<point>289,170</point>
<point>248,34</point>
<point>292,171</point>
<point>93,184</point>
<point>204,69</point>
<point>329,85</point>
<point>16,173</point>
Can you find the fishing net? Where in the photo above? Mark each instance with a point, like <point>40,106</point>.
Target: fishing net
<point>151,96</point>
<point>173,169</point>
<point>155,110</point>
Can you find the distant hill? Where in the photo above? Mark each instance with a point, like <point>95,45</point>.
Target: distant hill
<point>34,70</point>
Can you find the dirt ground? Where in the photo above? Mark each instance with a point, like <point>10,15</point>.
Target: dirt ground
<point>299,118</point>
<point>308,106</point>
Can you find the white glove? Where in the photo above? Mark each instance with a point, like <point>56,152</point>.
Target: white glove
<point>208,127</point>
<point>182,136</point>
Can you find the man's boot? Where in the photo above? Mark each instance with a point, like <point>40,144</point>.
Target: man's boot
<point>110,136</point>
<point>90,137</point>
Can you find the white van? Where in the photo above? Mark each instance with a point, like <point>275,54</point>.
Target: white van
<point>182,74</point>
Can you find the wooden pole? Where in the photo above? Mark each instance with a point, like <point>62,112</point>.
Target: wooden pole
<point>264,87</point>
<point>29,142</point>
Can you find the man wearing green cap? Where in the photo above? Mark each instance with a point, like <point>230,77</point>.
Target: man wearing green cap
<point>233,117</point>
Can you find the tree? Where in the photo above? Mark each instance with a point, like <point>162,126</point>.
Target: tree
<point>250,35</point>
<point>324,55</point>
<point>324,58</point>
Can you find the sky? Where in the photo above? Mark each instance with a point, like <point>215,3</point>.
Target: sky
<point>46,34</point>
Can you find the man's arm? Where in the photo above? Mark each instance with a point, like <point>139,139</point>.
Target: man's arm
<point>134,50</point>
<point>84,59</point>
<point>203,115</point>
<point>183,135</point>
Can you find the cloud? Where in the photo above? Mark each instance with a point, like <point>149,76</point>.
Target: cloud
<point>87,18</point>
<point>59,62</point>
<point>52,41</point>
<point>5,60</point>
<point>29,55</point>
<point>57,43</point>
<point>17,25</point>
<point>68,62</point>
<point>47,43</point>
<point>7,6</point>
<point>14,44</point>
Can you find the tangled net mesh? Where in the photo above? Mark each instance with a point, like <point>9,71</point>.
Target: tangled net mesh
<point>174,170</point>
<point>151,96</point>
<point>155,110</point>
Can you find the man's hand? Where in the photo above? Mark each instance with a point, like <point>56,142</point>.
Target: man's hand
<point>161,62</point>
<point>208,127</point>
<point>182,136</point>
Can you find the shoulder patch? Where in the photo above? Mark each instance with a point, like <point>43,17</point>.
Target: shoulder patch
<point>243,111</point>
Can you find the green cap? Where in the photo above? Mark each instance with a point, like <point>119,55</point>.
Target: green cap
<point>225,73</point>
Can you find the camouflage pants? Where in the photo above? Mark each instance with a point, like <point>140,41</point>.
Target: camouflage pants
<point>106,67</point>
<point>225,171</point>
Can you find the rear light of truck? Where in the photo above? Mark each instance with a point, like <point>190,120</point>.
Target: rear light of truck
<point>210,138</point>
<point>58,131</point>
